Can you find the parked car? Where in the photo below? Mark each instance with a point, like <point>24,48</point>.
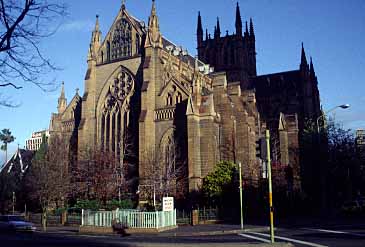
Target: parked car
<point>351,207</point>
<point>15,223</point>
<point>362,204</point>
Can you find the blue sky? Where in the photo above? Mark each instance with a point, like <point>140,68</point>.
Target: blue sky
<point>333,32</point>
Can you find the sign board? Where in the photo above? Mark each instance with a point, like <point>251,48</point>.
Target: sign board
<point>167,203</point>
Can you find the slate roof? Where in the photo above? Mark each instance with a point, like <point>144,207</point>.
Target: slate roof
<point>266,85</point>
<point>19,163</point>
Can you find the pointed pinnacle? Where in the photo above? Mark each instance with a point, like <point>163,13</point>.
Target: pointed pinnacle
<point>311,66</point>
<point>238,16</point>
<point>251,28</point>
<point>63,90</point>
<point>303,56</point>
<point>200,26</point>
<point>97,23</point>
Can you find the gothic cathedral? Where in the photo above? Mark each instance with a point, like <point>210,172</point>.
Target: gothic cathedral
<point>174,116</point>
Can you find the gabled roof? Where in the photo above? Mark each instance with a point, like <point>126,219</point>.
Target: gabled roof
<point>19,162</point>
<point>137,24</point>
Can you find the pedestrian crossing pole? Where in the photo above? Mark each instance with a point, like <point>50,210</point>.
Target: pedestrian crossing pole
<point>270,187</point>
<point>240,187</point>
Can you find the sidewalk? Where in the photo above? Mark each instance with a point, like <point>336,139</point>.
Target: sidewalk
<point>211,229</point>
<point>183,230</point>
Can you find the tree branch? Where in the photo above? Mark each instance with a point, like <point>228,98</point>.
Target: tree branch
<point>10,84</point>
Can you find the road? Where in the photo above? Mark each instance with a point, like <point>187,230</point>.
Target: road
<point>336,236</point>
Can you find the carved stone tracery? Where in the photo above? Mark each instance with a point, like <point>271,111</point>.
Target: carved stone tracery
<point>122,40</point>
<point>114,119</point>
<point>122,86</point>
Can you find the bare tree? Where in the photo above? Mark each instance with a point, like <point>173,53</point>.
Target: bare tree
<point>23,25</point>
<point>95,175</point>
<point>126,170</point>
<point>165,172</point>
<point>49,178</point>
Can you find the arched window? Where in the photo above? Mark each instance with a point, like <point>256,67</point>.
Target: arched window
<point>225,56</point>
<point>178,98</point>
<point>169,99</point>
<point>114,118</point>
<point>122,40</point>
<point>233,56</point>
<point>168,159</point>
<point>107,51</point>
<point>137,44</point>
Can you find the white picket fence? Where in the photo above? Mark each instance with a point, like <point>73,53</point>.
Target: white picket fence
<point>129,218</point>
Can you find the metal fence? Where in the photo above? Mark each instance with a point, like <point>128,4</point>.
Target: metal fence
<point>208,214</point>
<point>73,219</point>
<point>129,218</point>
<point>183,217</point>
<point>52,220</point>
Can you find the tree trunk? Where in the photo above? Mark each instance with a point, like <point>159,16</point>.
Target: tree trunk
<point>44,220</point>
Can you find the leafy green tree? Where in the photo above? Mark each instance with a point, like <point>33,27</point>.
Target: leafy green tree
<point>345,168</point>
<point>220,182</point>
<point>6,137</point>
<point>333,171</point>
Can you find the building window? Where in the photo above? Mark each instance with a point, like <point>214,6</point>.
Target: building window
<point>122,40</point>
<point>137,44</point>
<point>225,56</point>
<point>114,119</point>
<point>178,98</point>
<point>169,100</point>
<point>107,51</point>
<point>233,58</point>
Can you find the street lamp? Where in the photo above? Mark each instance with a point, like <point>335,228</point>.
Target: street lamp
<point>154,192</point>
<point>322,169</point>
<point>344,106</point>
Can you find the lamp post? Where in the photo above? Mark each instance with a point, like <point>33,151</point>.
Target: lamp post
<point>322,169</point>
<point>344,106</point>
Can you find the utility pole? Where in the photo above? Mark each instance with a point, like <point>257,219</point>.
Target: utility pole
<point>13,202</point>
<point>240,187</point>
<point>270,187</point>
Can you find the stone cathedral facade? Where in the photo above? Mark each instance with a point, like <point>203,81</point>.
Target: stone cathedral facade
<point>176,112</point>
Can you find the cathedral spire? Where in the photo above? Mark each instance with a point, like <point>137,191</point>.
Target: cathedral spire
<point>303,59</point>
<point>62,101</point>
<point>206,34</point>
<point>311,69</point>
<point>123,4</point>
<point>154,37</point>
<point>252,32</point>
<point>246,32</point>
<point>238,21</point>
<point>95,41</point>
<point>218,28</point>
<point>96,29</point>
<point>199,30</point>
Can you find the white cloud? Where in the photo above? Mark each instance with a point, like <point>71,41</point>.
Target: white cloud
<point>77,26</point>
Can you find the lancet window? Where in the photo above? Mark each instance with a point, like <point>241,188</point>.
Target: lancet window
<point>115,115</point>
<point>168,152</point>
<point>122,40</point>
<point>178,98</point>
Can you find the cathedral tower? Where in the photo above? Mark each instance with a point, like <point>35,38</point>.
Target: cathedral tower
<point>235,54</point>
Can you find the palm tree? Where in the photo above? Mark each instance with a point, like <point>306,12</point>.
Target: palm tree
<point>5,138</point>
